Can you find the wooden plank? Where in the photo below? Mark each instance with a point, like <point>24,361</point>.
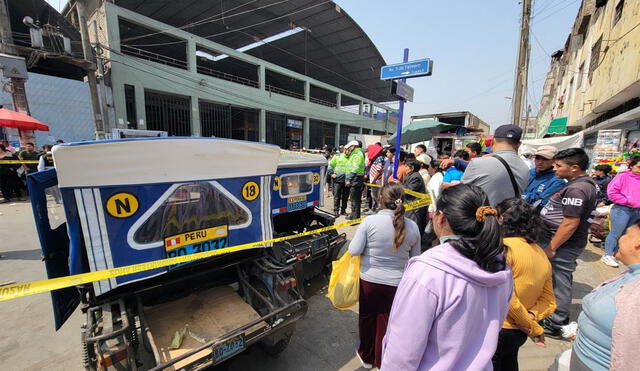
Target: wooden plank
<point>210,314</point>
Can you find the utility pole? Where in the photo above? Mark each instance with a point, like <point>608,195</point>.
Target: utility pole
<point>18,92</point>
<point>527,124</point>
<point>522,71</point>
<point>91,72</point>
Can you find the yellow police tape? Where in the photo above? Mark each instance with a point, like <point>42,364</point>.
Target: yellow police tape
<point>2,162</point>
<point>407,191</point>
<point>30,288</point>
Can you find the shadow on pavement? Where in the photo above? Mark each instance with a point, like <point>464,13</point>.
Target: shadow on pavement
<point>589,256</point>
<point>34,254</point>
<point>581,289</point>
<point>324,340</point>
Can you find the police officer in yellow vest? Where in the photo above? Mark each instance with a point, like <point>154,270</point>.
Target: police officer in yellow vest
<point>337,167</point>
<point>354,176</point>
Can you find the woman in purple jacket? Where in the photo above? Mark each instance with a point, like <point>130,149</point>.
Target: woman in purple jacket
<point>452,300</point>
<point>624,192</point>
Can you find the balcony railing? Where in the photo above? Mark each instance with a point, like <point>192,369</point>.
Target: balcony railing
<point>154,57</point>
<point>322,102</point>
<point>277,90</point>
<point>227,76</point>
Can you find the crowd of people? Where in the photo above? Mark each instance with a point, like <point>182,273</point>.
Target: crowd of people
<point>13,175</point>
<point>464,283</point>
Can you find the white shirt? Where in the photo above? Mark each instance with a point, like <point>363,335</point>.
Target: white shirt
<point>41,163</point>
<point>433,187</point>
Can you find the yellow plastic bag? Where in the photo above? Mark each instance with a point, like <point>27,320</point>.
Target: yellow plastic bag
<point>344,284</point>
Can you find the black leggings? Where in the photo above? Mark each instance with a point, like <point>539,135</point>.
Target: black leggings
<point>506,357</point>
<point>10,185</point>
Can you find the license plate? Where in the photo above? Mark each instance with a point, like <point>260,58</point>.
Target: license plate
<point>196,241</point>
<point>296,203</point>
<point>228,348</point>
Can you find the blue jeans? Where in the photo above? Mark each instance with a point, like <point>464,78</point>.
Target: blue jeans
<point>621,218</point>
<point>562,267</point>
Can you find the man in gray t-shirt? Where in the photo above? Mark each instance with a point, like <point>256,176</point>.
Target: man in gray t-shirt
<point>491,175</point>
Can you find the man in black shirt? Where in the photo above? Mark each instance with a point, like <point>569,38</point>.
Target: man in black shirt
<point>566,218</point>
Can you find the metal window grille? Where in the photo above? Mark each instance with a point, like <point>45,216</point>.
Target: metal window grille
<point>595,57</point>
<point>130,106</point>
<point>321,133</point>
<point>277,129</point>
<point>618,14</point>
<point>168,112</point>
<point>345,131</point>
<point>215,120</point>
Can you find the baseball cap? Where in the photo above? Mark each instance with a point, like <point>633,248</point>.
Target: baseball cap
<point>352,143</point>
<point>508,131</point>
<point>546,151</point>
<point>424,158</point>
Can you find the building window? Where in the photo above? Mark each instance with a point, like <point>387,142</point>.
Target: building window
<point>170,113</point>
<point>595,57</point>
<point>130,106</point>
<point>618,13</point>
<point>570,91</point>
<point>580,76</point>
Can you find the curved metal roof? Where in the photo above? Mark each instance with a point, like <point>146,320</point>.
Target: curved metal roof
<point>333,48</point>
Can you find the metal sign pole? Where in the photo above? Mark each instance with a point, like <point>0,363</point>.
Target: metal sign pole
<point>396,161</point>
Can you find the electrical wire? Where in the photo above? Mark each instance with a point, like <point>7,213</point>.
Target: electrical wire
<point>224,93</point>
<point>315,64</point>
<point>538,21</point>
<point>206,20</point>
<point>539,43</point>
<point>269,20</point>
<point>281,49</point>
<point>550,7</point>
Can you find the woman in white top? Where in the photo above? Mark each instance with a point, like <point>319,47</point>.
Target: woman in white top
<point>385,242</point>
<point>433,187</point>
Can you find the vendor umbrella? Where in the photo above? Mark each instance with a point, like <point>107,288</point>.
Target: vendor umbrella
<point>17,120</point>
<point>421,130</point>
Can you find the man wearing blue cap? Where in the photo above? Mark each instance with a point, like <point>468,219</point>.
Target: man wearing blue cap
<point>503,174</point>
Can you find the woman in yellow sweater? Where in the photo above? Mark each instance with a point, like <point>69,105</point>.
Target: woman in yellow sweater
<point>532,298</point>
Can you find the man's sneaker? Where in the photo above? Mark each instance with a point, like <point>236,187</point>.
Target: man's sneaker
<point>550,330</point>
<point>610,261</point>
<point>368,366</point>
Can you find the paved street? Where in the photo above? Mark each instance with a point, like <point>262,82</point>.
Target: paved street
<point>324,340</point>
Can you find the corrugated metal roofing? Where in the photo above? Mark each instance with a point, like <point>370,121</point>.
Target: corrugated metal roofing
<point>334,50</point>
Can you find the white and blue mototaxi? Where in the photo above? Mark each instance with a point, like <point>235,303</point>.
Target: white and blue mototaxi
<point>115,203</point>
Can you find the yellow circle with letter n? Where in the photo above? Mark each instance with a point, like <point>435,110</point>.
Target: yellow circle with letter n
<point>122,205</point>
<point>250,191</point>
<point>277,183</point>
<point>316,178</point>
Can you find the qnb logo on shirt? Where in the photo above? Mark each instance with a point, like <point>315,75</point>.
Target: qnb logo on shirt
<point>572,201</point>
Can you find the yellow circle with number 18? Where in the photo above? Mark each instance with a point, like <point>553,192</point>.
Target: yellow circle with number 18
<point>277,183</point>
<point>250,191</point>
<point>316,178</point>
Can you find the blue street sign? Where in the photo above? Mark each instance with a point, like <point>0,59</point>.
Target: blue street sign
<point>420,67</point>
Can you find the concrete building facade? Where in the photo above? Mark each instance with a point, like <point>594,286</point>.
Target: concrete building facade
<point>594,81</point>
<point>183,95</point>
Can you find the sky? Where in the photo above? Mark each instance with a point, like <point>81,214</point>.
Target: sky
<point>473,44</point>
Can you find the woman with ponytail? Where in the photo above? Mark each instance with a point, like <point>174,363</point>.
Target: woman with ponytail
<point>452,300</point>
<point>385,242</point>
